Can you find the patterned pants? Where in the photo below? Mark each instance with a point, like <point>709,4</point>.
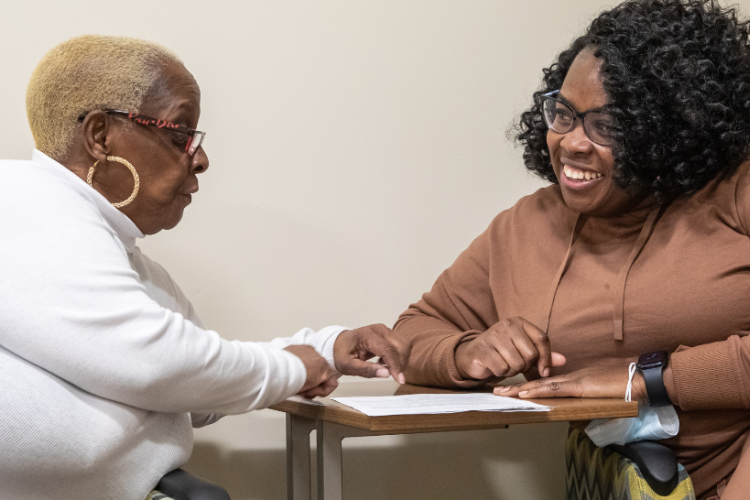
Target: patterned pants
<point>601,474</point>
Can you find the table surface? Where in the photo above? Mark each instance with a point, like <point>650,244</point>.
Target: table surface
<point>563,409</point>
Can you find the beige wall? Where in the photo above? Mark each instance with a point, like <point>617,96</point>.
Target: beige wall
<point>356,148</point>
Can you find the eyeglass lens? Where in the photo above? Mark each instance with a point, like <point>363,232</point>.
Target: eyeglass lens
<point>195,142</point>
<point>561,118</point>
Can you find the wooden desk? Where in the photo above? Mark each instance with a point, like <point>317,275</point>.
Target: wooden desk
<point>333,422</point>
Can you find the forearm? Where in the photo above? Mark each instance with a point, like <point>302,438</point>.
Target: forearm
<point>159,361</point>
<point>711,376</point>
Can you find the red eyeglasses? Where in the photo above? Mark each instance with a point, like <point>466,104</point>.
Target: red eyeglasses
<point>194,137</point>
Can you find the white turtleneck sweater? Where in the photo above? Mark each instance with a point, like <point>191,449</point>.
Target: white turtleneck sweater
<point>103,360</point>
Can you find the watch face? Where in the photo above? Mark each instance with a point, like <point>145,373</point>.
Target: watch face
<point>652,360</point>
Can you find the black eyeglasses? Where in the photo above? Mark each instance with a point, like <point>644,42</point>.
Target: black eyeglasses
<point>194,137</point>
<point>560,117</point>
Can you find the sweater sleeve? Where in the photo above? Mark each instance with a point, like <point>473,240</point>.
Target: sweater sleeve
<point>322,341</point>
<point>458,308</point>
<point>717,375</point>
<point>74,306</point>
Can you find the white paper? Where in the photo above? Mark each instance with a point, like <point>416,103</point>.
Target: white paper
<point>416,404</point>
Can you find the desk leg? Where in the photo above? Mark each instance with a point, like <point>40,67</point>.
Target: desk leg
<point>330,462</point>
<point>298,485</point>
<point>330,458</point>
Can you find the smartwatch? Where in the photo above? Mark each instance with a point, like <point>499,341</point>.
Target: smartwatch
<point>651,366</point>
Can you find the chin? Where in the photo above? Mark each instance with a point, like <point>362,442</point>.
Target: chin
<point>172,221</point>
<point>586,207</point>
<point>172,225</point>
<point>577,204</point>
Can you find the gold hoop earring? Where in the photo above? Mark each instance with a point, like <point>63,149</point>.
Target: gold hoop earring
<point>136,187</point>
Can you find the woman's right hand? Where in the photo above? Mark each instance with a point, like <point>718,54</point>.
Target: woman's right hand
<point>321,378</point>
<point>507,348</point>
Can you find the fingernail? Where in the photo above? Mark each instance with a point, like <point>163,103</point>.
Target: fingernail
<point>401,378</point>
<point>502,388</point>
<point>523,393</point>
<point>382,373</point>
<point>545,372</point>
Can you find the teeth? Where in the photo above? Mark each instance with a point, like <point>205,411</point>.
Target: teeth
<point>574,173</point>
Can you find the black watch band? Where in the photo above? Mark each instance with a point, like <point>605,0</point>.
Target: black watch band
<point>651,365</point>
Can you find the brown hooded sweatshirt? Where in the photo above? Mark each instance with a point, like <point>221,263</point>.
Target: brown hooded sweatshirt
<point>674,279</point>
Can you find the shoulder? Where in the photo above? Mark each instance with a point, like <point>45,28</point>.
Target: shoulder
<point>742,195</point>
<point>726,198</point>
<point>542,214</point>
<point>539,222</point>
<point>26,172</point>
<point>724,201</point>
<point>50,207</point>
<point>34,184</point>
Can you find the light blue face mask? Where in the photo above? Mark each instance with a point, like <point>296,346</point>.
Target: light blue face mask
<point>651,424</point>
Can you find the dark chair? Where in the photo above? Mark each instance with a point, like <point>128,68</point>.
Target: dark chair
<point>181,485</point>
<point>637,471</point>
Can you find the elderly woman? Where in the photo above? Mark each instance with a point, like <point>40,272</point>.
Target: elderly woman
<point>104,364</point>
<point>640,245</point>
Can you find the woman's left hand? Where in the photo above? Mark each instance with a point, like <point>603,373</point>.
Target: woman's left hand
<point>609,380</point>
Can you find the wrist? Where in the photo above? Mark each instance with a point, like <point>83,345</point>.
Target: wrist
<point>669,384</point>
<point>340,350</point>
<point>459,359</point>
<point>651,367</point>
<point>639,392</point>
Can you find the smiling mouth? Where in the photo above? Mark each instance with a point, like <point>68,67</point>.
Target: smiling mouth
<point>577,175</point>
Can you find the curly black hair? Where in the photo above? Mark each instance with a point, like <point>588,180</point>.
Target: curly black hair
<point>677,76</point>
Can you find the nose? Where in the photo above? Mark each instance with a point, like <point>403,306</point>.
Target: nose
<point>577,141</point>
<point>199,161</point>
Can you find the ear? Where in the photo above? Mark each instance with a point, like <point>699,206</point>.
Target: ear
<point>95,130</point>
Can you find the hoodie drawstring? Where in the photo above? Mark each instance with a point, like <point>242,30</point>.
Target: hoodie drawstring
<point>580,222</point>
<point>618,296</point>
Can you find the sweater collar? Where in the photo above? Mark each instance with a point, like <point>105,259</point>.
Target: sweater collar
<point>646,215</point>
<point>125,228</point>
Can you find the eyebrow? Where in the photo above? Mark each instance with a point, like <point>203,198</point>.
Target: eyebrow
<point>594,110</point>
<point>180,111</point>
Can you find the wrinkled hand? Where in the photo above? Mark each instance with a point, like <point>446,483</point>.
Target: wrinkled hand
<point>607,380</point>
<point>354,347</point>
<point>321,378</point>
<point>509,347</point>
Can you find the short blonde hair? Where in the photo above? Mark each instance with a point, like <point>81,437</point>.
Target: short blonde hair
<point>87,73</point>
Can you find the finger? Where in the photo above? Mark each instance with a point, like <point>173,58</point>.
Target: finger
<point>517,361</point>
<point>552,389</point>
<point>467,363</point>
<point>324,389</point>
<point>355,366</point>
<point>478,370</point>
<point>541,341</point>
<point>512,390</point>
<point>558,359</point>
<point>494,362</point>
<point>388,353</point>
<point>329,386</point>
<point>507,390</point>
<point>523,345</point>
<point>383,372</point>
